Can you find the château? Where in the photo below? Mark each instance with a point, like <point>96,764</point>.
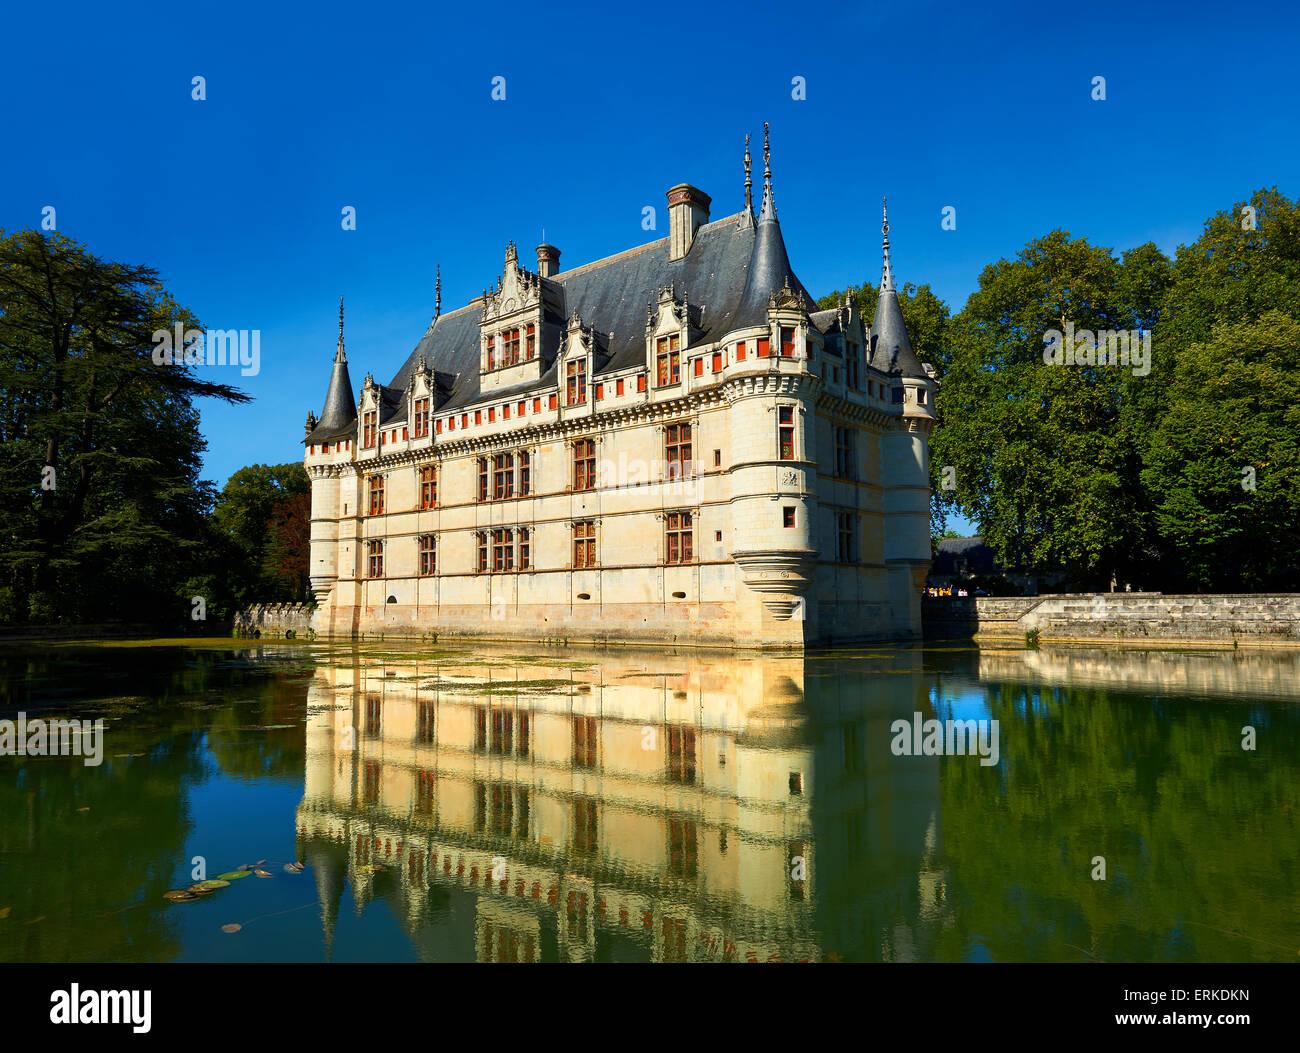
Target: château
<point>671,444</point>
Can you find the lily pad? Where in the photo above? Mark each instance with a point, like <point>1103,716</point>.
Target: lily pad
<point>179,895</point>
<point>211,885</point>
<point>232,927</point>
<point>234,875</point>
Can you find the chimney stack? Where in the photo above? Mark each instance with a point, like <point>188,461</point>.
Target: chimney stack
<point>688,210</point>
<point>548,260</point>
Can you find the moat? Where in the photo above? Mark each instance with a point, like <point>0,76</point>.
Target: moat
<point>475,803</point>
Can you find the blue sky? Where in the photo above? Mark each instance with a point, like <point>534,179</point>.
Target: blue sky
<point>237,199</point>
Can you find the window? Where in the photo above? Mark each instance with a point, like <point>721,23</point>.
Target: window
<point>368,427</point>
<point>640,382</point>
<point>482,564</point>
<point>374,559</point>
<point>896,396</point>
<point>677,450</point>
<point>478,416</point>
<point>920,396</point>
<point>717,361</point>
<point>525,473</point>
<point>464,420</point>
<point>584,543</point>
<point>851,368</point>
<point>717,458</point>
<point>428,555</point>
<point>584,464</point>
<point>844,459</point>
<point>847,532</point>
<point>503,550</point>
<point>787,341</point>
<point>764,348</point>
<point>785,432</point>
<point>376,495</point>
<point>679,537</point>
<point>740,351</point>
<point>698,367</point>
<point>537,405</point>
<point>421,418</point>
<point>577,381</point>
<point>681,755</point>
<point>491,352</point>
<point>787,517</point>
<point>585,740</point>
<point>600,392</point>
<point>510,348</point>
<point>618,388</point>
<point>492,413</point>
<point>523,407</point>
<point>425,722</point>
<point>532,346</point>
<point>424,789</point>
<point>428,487</point>
<point>585,826</point>
<point>503,476</point>
<point>551,402</point>
<point>525,549</point>
<point>482,479</point>
<point>668,366</point>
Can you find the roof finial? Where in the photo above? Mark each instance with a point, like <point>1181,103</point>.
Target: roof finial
<point>437,294</point>
<point>887,277</point>
<point>769,202</point>
<point>339,355</point>
<point>749,201</point>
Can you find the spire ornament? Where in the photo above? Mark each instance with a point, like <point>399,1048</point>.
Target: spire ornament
<point>437,294</point>
<point>340,355</point>
<point>749,182</point>
<point>887,277</point>
<point>769,202</point>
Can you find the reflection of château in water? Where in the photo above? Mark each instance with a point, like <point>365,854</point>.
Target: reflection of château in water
<point>622,807</point>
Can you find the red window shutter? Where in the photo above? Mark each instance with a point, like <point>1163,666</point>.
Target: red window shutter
<point>492,414</point>
<point>403,433</point>
<point>640,382</point>
<point>552,401</point>
<point>478,416</point>
<point>505,411</point>
<point>740,351</point>
<point>437,426</point>
<point>600,391</point>
<point>717,361</point>
<point>763,347</point>
<point>523,408</point>
<point>699,367</point>
<point>619,389</point>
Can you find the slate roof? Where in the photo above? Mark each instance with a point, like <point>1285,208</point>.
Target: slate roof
<point>339,416</point>
<point>889,335</point>
<point>613,294</point>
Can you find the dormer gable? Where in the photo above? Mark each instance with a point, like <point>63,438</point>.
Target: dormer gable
<point>519,330</point>
<point>672,325</point>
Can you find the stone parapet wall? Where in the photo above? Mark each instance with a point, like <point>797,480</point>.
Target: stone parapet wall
<point>274,619</point>
<point>1127,617</point>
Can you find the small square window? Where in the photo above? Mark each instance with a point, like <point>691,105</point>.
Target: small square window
<point>787,517</point>
<point>717,535</point>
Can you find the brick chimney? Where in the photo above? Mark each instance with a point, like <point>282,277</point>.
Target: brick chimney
<point>688,210</point>
<point>548,260</point>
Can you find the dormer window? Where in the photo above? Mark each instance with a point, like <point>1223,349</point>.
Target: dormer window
<point>510,347</point>
<point>532,343</point>
<point>668,364</point>
<point>421,418</point>
<point>369,427</point>
<point>491,352</point>
<point>576,373</point>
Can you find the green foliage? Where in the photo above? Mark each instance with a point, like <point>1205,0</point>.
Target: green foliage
<point>103,510</point>
<point>1102,472</point>
<point>263,515</point>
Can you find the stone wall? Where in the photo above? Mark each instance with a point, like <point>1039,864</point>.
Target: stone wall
<point>274,619</point>
<point>1125,617</point>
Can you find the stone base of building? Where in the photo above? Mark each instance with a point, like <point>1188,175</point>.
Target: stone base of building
<point>837,605</point>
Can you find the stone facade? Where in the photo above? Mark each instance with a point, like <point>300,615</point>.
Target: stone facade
<point>739,470</point>
<point>1137,617</point>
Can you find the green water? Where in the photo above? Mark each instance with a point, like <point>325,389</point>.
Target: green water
<point>471,803</point>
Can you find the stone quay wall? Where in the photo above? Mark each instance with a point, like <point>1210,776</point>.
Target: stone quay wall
<point>1126,617</point>
<point>274,620</point>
